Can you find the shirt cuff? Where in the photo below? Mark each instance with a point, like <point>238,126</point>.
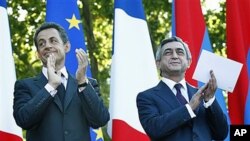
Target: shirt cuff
<point>50,89</point>
<point>209,103</point>
<point>190,111</point>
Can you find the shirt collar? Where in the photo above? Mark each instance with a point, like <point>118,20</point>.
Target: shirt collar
<point>63,71</point>
<point>170,83</point>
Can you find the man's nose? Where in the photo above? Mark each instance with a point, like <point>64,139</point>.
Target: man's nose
<point>175,55</point>
<point>48,45</point>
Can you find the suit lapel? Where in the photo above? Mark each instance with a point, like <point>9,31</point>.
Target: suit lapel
<point>167,95</point>
<point>40,80</point>
<point>163,91</point>
<point>71,90</point>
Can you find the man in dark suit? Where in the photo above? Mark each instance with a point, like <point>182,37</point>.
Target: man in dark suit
<point>55,106</point>
<point>174,110</point>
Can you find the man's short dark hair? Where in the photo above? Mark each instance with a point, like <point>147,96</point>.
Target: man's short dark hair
<point>48,25</point>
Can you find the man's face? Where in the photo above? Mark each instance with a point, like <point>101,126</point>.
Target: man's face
<point>173,59</point>
<point>49,42</point>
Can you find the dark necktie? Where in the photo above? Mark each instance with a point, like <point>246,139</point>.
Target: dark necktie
<point>61,92</point>
<point>179,96</point>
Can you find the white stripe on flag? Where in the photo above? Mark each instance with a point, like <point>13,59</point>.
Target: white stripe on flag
<point>133,68</point>
<point>8,77</point>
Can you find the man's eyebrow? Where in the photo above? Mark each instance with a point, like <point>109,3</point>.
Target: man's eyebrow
<point>180,49</point>
<point>52,37</point>
<point>40,40</point>
<point>168,49</point>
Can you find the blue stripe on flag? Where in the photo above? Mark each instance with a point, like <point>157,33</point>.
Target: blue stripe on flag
<point>173,18</point>
<point>206,45</point>
<point>126,5</point>
<point>3,3</point>
<point>219,95</point>
<point>247,107</point>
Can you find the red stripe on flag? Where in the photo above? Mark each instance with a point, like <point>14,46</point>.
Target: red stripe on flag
<point>238,42</point>
<point>190,26</point>
<point>121,130</point>
<point>9,137</point>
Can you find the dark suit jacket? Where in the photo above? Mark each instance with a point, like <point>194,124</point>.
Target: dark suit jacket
<point>165,119</point>
<point>45,119</point>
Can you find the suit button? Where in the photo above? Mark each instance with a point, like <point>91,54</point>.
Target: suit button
<point>66,132</point>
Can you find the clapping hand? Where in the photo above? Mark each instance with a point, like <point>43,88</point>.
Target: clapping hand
<point>206,92</point>
<point>197,97</point>
<point>54,78</point>
<point>211,87</point>
<point>82,59</point>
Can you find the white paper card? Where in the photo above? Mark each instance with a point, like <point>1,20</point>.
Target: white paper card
<point>226,70</point>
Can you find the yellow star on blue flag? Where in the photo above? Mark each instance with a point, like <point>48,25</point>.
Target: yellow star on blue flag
<point>74,22</point>
<point>99,134</point>
<point>66,13</point>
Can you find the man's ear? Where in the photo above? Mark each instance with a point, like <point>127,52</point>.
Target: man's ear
<point>158,65</point>
<point>67,47</point>
<point>189,63</point>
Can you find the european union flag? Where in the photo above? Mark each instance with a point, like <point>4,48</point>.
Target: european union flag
<point>66,13</point>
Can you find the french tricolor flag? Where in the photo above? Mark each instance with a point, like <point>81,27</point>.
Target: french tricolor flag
<point>188,23</point>
<point>133,70</point>
<point>9,131</point>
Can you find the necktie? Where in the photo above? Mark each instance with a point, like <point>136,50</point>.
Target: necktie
<point>61,91</point>
<point>179,96</point>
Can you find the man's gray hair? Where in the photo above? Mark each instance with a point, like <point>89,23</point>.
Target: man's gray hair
<point>172,39</point>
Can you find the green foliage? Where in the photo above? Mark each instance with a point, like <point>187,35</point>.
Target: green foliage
<point>216,24</point>
<point>24,18</point>
<point>158,16</point>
